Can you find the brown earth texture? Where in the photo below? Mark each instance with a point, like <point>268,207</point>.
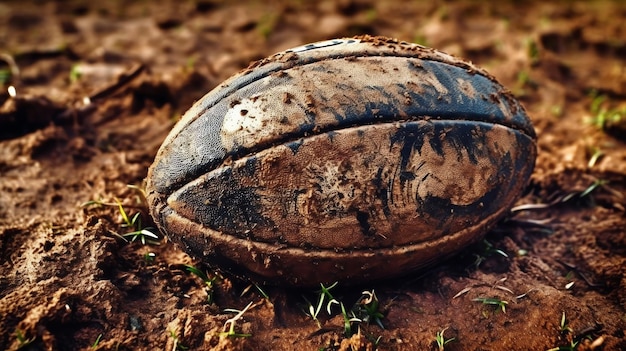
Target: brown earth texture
<point>98,85</point>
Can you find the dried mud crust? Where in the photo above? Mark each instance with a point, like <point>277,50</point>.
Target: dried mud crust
<point>65,278</point>
<point>380,46</point>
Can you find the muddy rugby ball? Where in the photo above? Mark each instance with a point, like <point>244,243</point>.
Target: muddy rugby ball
<point>347,160</point>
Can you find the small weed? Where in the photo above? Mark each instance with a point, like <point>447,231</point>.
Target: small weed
<point>571,347</point>
<point>568,336</point>
<point>9,73</point>
<point>262,292</point>
<point>209,283</point>
<point>141,194</point>
<point>493,301</point>
<point>556,110</point>
<point>368,309</point>
<point>601,114</point>
<point>144,235</point>
<point>5,77</point>
<point>177,344</point>
<point>258,288</point>
<point>532,50</point>
<point>376,341</point>
<point>523,81</point>
<point>149,257</point>
<point>324,296</point>
<point>349,317</point>
<point>565,329</point>
<point>523,77</point>
<point>190,63</point>
<point>596,102</point>
<point>578,195</point>
<point>441,340</point>
<point>138,232</point>
<point>347,321</point>
<point>129,222</point>
<point>492,250</point>
<point>596,153</point>
<point>232,321</point>
<point>22,340</point>
<point>75,73</point>
<point>488,250</point>
<point>95,343</point>
<point>593,187</point>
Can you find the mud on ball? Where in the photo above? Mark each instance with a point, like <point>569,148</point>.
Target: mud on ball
<point>347,160</point>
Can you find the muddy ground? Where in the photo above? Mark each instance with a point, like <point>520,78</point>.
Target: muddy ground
<point>68,281</point>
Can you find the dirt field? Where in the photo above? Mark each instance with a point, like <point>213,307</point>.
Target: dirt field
<point>551,277</point>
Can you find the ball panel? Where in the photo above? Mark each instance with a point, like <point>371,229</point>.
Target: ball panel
<point>323,89</point>
<point>365,187</point>
<point>276,264</point>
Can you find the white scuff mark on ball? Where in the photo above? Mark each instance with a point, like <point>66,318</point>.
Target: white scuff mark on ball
<point>243,122</point>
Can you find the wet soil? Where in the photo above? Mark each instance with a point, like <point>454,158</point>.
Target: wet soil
<point>99,85</point>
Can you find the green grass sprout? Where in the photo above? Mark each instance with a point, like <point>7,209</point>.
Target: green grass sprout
<point>95,343</point>
<point>488,250</point>
<point>10,73</point>
<point>5,77</point>
<point>149,257</point>
<point>262,292</point>
<point>601,113</point>
<point>75,73</point>
<point>146,235</point>
<point>323,296</point>
<point>492,301</point>
<point>365,310</point>
<point>209,282</point>
<point>593,187</point>
<point>232,321</point>
<point>596,153</point>
<point>348,320</point>
<point>571,347</point>
<point>441,340</point>
<point>532,50</point>
<point>258,288</point>
<point>564,326</point>
<point>177,344</point>
<point>22,340</point>
<point>368,309</point>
